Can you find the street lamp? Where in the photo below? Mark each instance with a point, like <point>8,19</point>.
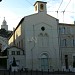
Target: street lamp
<point>34,40</point>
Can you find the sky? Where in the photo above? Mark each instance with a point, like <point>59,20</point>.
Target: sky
<point>14,10</point>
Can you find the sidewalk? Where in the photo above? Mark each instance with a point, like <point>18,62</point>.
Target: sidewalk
<point>5,72</point>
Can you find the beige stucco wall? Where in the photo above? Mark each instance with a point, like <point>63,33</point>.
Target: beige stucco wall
<point>18,36</point>
<point>18,32</point>
<point>10,41</point>
<point>50,23</point>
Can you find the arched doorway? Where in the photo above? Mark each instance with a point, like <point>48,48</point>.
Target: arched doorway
<point>44,62</point>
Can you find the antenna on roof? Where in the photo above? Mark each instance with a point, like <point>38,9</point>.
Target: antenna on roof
<point>63,15</point>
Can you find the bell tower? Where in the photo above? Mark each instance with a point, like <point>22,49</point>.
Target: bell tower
<point>40,6</point>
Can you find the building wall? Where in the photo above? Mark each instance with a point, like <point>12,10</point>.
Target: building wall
<point>34,48</point>
<point>20,59</point>
<point>10,41</point>
<point>17,38</point>
<point>18,32</point>
<point>67,43</point>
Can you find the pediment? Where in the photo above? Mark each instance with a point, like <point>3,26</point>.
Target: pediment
<point>43,24</point>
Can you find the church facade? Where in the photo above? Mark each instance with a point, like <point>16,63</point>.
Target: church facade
<point>39,36</point>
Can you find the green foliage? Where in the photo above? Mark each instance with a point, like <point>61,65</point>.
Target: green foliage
<point>5,33</point>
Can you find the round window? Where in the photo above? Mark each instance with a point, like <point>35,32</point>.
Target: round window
<point>42,28</point>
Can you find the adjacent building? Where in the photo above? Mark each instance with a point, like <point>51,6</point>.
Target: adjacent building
<point>67,44</point>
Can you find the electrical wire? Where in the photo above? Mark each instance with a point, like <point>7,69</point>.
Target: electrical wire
<point>60,5</point>
<point>29,2</point>
<point>65,9</point>
<point>28,6</point>
<point>67,5</point>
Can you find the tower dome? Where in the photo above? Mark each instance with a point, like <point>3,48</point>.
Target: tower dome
<point>4,22</point>
<point>4,25</point>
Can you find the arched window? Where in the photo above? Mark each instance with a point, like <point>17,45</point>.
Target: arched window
<point>62,30</point>
<point>40,40</point>
<point>43,40</point>
<point>64,42</point>
<point>35,8</point>
<point>41,6</point>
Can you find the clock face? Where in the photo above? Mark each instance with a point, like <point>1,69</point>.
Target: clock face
<point>41,7</point>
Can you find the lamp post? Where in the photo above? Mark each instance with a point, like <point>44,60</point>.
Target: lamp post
<point>34,40</point>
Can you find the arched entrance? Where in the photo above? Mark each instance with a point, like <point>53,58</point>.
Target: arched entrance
<point>44,62</point>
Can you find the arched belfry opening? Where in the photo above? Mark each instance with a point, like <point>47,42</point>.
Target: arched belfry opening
<point>40,6</point>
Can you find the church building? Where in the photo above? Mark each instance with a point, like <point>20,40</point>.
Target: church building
<point>37,35</point>
<point>43,43</point>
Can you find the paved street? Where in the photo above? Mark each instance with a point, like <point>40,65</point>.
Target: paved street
<point>35,73</point>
